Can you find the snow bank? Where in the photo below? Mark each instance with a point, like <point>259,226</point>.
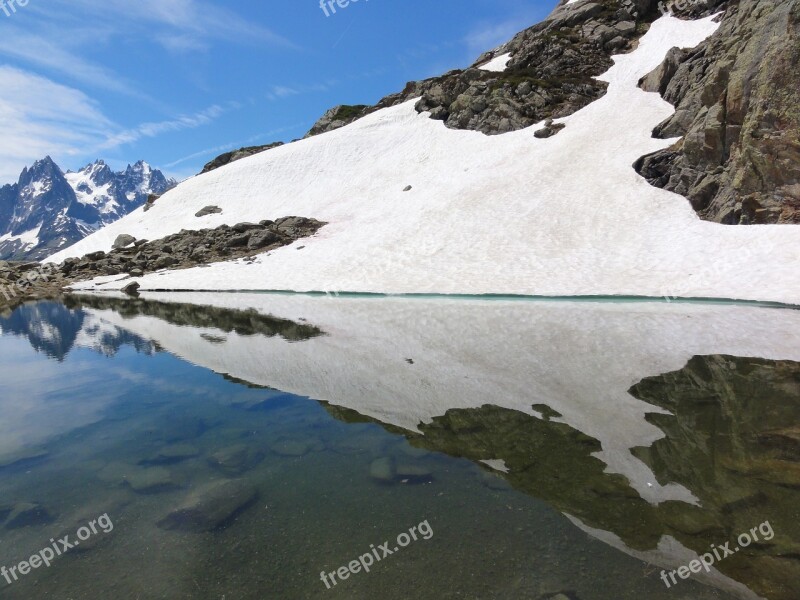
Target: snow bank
<point>510,214</point>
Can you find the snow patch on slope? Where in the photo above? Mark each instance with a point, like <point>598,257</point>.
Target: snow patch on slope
<point>498,63</point>
<point>512,214</point>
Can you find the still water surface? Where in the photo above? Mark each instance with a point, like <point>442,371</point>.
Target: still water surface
<point>236,446</point>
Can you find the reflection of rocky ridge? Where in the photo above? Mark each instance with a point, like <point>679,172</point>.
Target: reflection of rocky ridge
<point>734,439</point>
<point>243,322</point>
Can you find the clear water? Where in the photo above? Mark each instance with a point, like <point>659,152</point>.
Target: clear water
<point>134,409</point>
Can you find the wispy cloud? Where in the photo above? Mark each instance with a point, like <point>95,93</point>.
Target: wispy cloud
<point>179,25</point>
<point>269,135</point>
<point>40,117</point>
<point>150,130</point>
<point>44,53</point>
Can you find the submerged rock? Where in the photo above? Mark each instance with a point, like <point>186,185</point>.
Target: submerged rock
<point>153,480</point>
<point>235,460</point>
<point>212,506</point>
<point>26,514</point>
<point>172,454</point>
<point>383,469</point>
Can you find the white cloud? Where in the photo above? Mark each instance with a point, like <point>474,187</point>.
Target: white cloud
<point>44,53</point>
<point>40,117</point>
<point>150,130</point>
<point>180,25</point>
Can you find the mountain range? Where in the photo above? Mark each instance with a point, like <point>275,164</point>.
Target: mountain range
<point>48,210</point>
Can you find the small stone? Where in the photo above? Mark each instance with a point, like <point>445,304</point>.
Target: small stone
<point>132,289</point>
<point>408,188</point>
<point>208,210</point>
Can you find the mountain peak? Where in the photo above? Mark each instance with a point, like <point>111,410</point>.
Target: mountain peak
<point>65,207</point>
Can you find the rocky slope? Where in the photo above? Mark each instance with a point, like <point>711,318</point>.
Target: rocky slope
<point>738,114</point>
<point>738,160</point>
<point>47,209</point>
<point>22,281</point>
<point>229,157</point>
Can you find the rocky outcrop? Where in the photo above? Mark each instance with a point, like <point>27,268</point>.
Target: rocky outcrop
<point>551,72</point>
<point>337,117</point>
<point>242,322</point>
<point>28,281</point>
<point>188,249</point>
<point>738,114</point>
<point>229,157</point>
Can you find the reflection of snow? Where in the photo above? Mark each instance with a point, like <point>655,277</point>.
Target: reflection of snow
<point>579,359</point>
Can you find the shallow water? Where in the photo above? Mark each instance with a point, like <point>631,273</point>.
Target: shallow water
<point>633,436</point>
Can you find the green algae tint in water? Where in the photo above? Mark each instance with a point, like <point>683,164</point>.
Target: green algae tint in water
<point>219,488</point>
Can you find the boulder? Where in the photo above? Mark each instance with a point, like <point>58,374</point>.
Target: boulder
<point>262,239</point>
<point>208,210</point>
<point>123,241</point>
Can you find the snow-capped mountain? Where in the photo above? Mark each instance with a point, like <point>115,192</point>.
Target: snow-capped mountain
<point>48,210</point>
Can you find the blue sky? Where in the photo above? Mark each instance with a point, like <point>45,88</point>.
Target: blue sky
<point>176,82</point>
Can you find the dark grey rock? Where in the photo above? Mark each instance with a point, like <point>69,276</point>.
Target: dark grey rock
<point>262,239</point>
<point>208,210</point>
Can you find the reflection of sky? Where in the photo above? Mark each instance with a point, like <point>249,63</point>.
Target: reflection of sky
<point>41,398</point>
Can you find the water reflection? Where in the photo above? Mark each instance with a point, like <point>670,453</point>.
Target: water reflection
<point>644,424</point>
